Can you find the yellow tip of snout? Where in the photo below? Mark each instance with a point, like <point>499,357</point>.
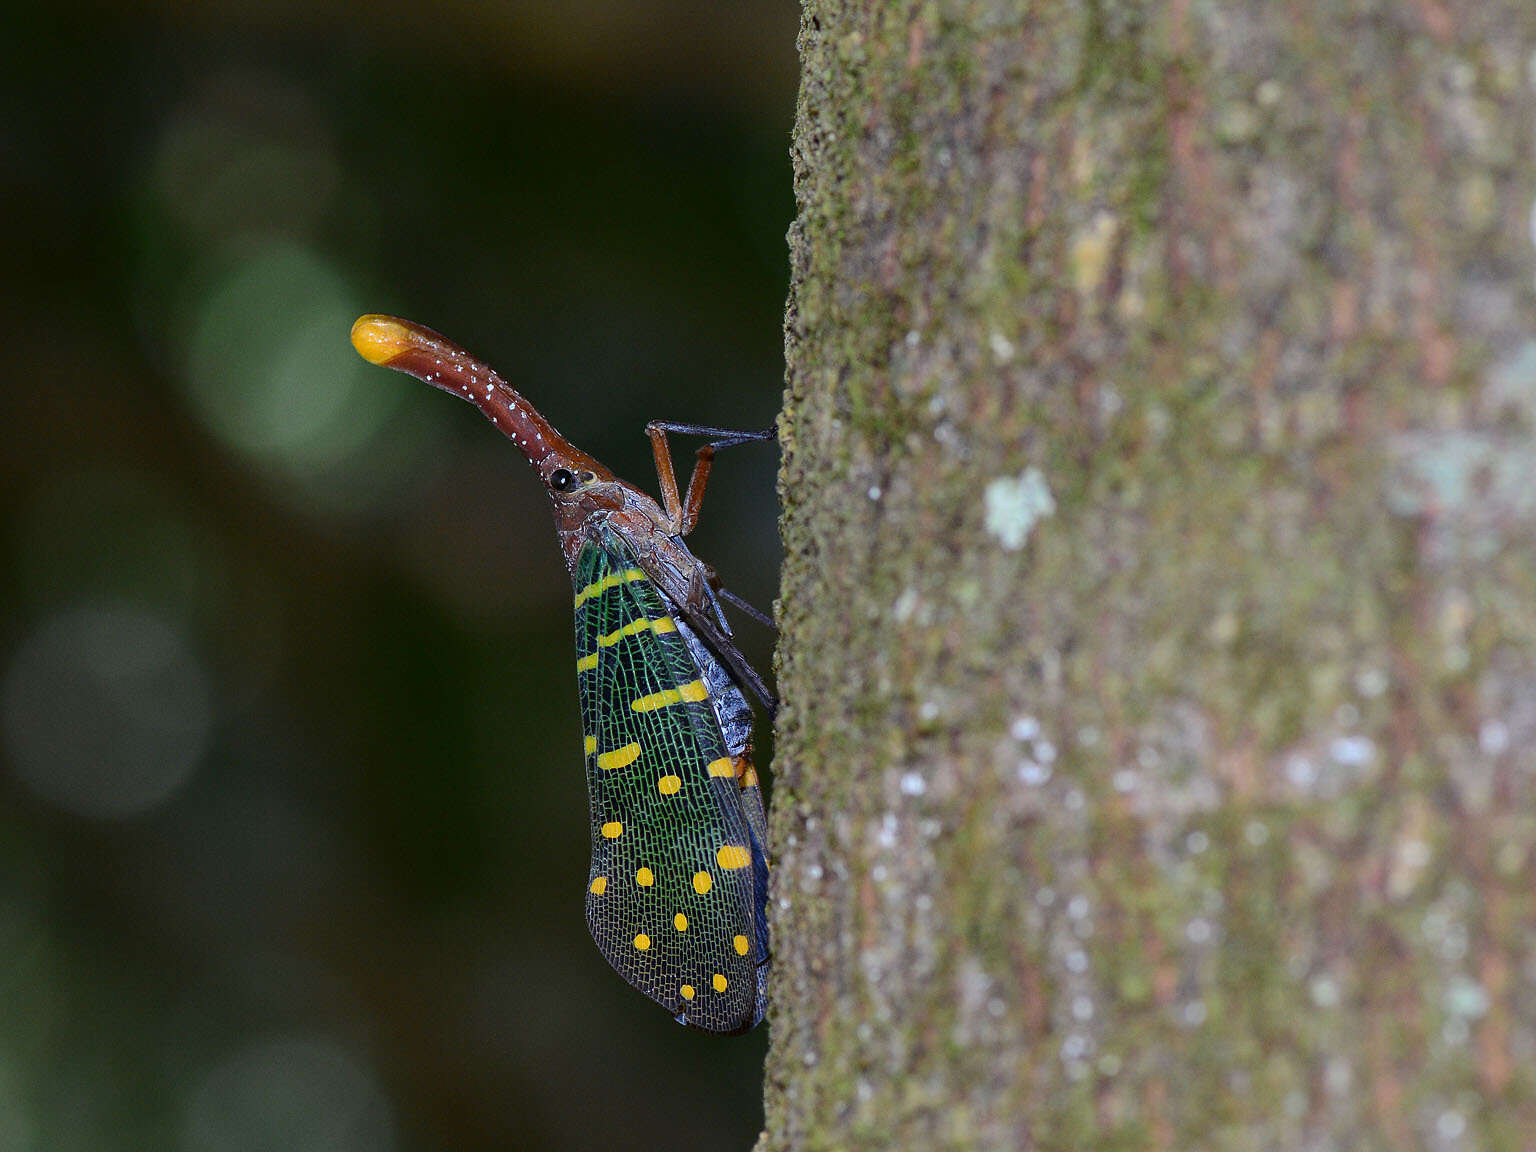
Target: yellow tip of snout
<point>379,339</point>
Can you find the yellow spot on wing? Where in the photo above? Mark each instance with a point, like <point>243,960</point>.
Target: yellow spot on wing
<point>687,991</point>
<point>691,691</point>
<point>642,941</point>
<point>591,745</point>
<point>722,767</point>
<point>741,945</point>
<point>612,830</point>
<point>619,757</point>
<point>645,878</point>
<point>719,982</point>
<point>599,886</point>
<point>669,785</point>
<point>612,580</point>
<point>633,628</point>
<point>680,922</point>
<point>702,882</point>
<point>732,856</point>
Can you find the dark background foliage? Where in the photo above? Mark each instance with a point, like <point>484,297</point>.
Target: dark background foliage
<point>292,822</point>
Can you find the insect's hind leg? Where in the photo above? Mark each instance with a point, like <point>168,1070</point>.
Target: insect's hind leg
<point>684,512</point>
<point>746,608</point>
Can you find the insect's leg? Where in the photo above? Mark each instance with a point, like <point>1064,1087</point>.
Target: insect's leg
<point>744,607</point>
<point>685,512</point>
<point>666,478</point>
<point>711,584</point>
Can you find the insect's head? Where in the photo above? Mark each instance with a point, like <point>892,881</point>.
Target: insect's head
<point>572,477</point>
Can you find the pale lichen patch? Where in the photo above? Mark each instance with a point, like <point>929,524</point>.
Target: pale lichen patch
<point>1015,504</point>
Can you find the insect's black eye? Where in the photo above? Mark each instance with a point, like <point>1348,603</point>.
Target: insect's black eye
<point>561,480</point>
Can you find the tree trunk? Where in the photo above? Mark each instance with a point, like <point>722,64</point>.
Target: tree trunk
<point>1157,765</point>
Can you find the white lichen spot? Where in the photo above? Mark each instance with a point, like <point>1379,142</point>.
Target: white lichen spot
<point>912,784</point>
<point>1371,683</point>
<point>1087,736</point>
<point>1073,1047</point>
<point>1077,960</point>
<point>1045,752</point>
<point>1002,347</point>
<point>1014,505</point>
<point>1466,998</point>
<point>1033,773</point>
<point>1338,1076</point>
<point>1325,992</point>
<point>1074,800</point>
<point>1493,737</point>
<point>1194,1013</point>
<point>1300,771</point>
<point>1045,897</point>
<point>874,492</point>
<point>1198,931</point>
<point>1109,1064</point>
<point>1197,842</point>
<point>928,711</point>
<point>1257,833</point>
<point>1414,853</point>
<point>1077,907</point>
<point>1124,780</point>
<point>1082,1008</point>
<point>1451,1125</point>
<point>1352,751</point>
<point>1024,728</point>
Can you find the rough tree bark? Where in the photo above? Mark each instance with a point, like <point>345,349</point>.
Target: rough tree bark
<point>1157,767</point>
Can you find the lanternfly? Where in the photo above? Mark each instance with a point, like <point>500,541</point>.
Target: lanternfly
<point>676,897</point>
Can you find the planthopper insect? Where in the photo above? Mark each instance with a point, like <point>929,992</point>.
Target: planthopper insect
<point>676,897</point>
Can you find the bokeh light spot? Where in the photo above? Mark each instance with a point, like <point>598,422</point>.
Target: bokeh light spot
<point>106,711</point>
<point>270,370</point>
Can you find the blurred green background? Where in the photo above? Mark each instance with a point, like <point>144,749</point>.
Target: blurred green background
<point>292,818</point>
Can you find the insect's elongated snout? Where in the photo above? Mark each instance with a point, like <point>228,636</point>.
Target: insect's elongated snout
<point>433,359</point>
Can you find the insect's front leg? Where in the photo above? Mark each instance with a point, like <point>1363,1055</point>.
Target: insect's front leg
<point>684,511</point>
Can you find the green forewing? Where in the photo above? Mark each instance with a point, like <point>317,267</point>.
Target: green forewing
<point>671,899</point>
